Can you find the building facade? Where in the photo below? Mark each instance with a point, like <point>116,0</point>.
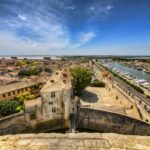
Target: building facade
<point>10,91</point>
<point>56,96</point>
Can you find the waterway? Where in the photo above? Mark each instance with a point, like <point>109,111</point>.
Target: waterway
<point>139,74</point>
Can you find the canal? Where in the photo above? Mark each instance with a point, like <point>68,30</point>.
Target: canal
<point>139,74</point>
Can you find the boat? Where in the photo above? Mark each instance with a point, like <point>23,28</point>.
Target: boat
<point>147,71</point>
<point>139,68</point>
<point>141,81</point>
<point>145,85</point>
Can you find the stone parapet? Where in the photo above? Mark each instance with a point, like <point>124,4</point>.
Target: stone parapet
<point>78,141</point>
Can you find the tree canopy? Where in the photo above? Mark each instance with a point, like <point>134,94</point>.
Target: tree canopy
<point>8,107</point>
<point>81,79</point>
<point>30,72</point>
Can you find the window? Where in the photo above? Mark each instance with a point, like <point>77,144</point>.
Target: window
<point>32,116</point>
<point>9,94</point>
<point>50,103</point>
<point>52,94</point>
<point>65,75</point>
<point>4,95</point>
<point>52,81</point>
<point>54,109</point>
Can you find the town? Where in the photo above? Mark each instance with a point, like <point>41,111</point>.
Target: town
<point>44,95</point>
<point>74,75</point>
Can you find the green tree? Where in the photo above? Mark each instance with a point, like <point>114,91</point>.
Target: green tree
<point>8,107</point>
<point>24,96</point>
<point>30,72</point>
<point>81,79</point>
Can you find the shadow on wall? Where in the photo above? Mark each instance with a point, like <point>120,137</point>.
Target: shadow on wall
<point>89,97</point>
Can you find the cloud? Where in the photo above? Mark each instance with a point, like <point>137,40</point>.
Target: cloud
<point>83,38</point>
<point>109,7</point>
<point>71,7</point>
<point>87,36</point>
<point>99,9</point>
<point>47,25</point>
<point>23,18</point>
<point>11,43</point>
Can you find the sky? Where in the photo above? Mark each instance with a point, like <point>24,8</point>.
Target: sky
<point>74,27</point>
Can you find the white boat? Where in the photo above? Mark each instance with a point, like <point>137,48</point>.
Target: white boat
<point>140,81</point>
<point>145,85</point>
<point>129,77</point>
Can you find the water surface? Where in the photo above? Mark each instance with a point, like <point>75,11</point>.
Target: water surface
<point>139,74</point>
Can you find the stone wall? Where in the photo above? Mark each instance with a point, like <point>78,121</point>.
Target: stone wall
<point>111,122</point>
<point>13,124</point>
<point>47,126</point>
<point>87,118</point>
<point>17,123</point>
<point>78,141</point>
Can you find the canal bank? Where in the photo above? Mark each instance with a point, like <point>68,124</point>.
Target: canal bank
<point>134,72</point>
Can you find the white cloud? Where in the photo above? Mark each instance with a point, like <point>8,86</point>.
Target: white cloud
<point>109,7</point>
<point>22,17</point>
<point>84,38</point>
<point>99,10</point>
<point>87,36</point>
<point>43,28</point>
<point>71,7</point>
<point>9,42</point>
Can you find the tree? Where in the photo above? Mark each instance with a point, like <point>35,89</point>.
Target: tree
<point>81,79</point>
<point>30,72</point>
<point>8,107</point>
<point>24,96</point>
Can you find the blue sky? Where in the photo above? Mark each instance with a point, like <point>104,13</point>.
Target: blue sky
<point>74,27</point>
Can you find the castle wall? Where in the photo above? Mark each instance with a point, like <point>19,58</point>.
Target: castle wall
<point>104,121</point>
<point>13,124</point>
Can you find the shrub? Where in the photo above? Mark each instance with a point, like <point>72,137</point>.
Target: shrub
<point>48,70</point>
<point>8,107</point>
<point>148,96</point>
<point>97,83</point>
<point>24,96</point>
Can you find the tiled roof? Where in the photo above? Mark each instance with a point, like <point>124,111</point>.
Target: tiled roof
<point>15,86</point>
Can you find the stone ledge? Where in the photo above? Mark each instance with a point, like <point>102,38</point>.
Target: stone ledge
<point>70,141</point>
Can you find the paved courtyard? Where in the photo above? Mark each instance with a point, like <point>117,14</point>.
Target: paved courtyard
<point>103,99</point>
